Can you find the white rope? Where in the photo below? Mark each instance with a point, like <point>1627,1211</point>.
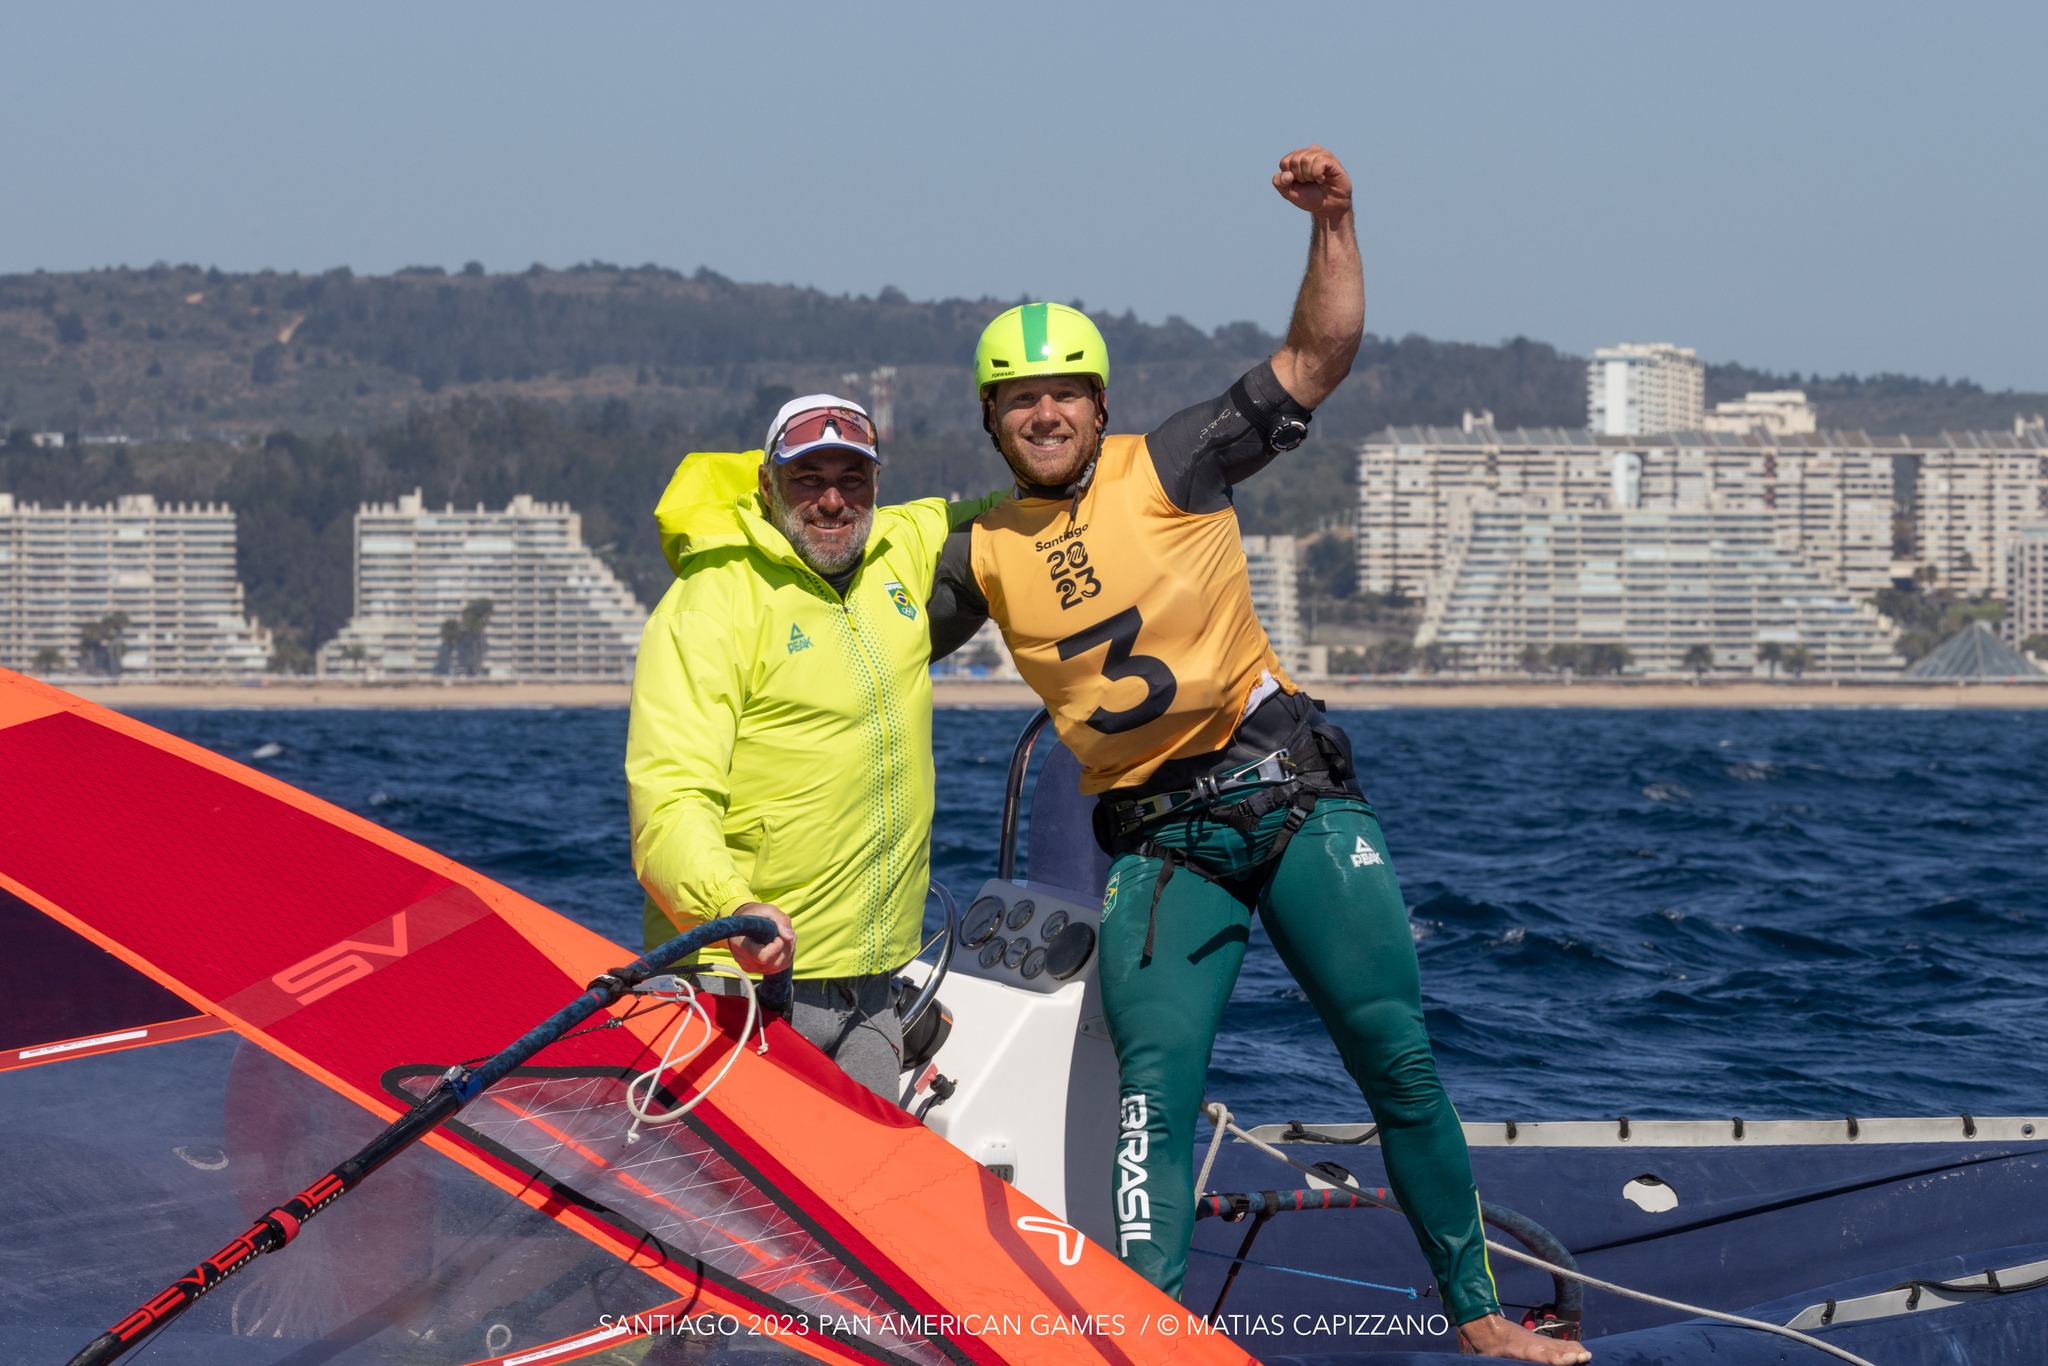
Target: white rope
<point>640,1090</point>
<point>1516,1254</point>
<point>1221,1114</point>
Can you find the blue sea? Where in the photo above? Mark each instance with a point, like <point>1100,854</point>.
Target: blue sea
<point>1770,913</point>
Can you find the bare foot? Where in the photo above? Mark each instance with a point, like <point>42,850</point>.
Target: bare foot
<point>1494,1336</point>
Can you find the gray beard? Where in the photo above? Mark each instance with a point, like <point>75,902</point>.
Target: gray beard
<point>791,524</point>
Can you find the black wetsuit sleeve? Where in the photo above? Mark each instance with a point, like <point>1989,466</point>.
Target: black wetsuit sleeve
<point>956,609</point>
<point>1201,452</point>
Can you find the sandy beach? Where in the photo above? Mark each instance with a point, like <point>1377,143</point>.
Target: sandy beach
<point>1337,693</point>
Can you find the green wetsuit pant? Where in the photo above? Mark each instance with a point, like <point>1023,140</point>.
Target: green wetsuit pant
<point>1335,914</point>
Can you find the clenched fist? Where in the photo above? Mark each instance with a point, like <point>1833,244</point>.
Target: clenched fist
<point>1312,178</point>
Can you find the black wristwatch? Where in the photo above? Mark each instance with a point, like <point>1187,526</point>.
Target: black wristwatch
<point>1285,426</point>
<point>1287,433</point>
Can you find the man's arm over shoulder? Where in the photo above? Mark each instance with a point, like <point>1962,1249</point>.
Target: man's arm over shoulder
<point>689,690</point>
<point>957,607</point>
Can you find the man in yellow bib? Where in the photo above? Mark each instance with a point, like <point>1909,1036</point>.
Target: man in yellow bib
<point>1117,576</point>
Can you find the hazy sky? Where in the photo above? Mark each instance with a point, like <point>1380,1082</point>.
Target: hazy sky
<point>1800,186</point>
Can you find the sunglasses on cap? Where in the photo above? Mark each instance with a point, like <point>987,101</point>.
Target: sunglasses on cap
<point>825,424</point>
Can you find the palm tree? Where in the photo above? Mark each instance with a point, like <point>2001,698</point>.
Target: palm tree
<point>1771,653</point>
<point>48,660</point>
<point>1797,660</point>
<point>463,639</point>
<point>1700,659</point>
<point>99,643</point>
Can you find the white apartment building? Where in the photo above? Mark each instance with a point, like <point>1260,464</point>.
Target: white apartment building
<point>1776,412</point>
<point>1975,489</point>
<point>1654,581</point>
<point>1638,390</point>
<point>168,568</point>
<point>557,611</point>
<point>1273,565</point>
<point>2026,584</point>
<point>1828,496</point>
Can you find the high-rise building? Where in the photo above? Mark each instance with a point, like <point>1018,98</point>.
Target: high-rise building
<point>1974,491</point>
<point>168,569</point>
<point>1273,566</point>
<point>1828,496</point>
<point>1639,390</point>
<point>2026,584</point>
<point>1655,582</point>
<point>556,611</point>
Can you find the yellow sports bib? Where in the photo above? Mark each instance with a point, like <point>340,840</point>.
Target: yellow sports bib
<point>1131,618</point>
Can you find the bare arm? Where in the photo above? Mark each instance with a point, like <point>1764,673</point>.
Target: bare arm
<point>1329,313</point>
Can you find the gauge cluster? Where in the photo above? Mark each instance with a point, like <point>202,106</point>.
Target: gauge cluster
<point>1023,937</point>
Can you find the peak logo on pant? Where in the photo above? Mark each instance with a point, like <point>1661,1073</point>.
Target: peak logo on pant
<point>1133,1203</point>
<point>1365,856</point>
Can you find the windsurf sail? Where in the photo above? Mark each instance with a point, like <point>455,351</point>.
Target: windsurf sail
<point>226,986</point>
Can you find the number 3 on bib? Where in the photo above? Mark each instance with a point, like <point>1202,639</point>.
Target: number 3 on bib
<point>1120,633</point>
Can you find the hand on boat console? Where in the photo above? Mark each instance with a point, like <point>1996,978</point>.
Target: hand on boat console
<point>1494,1336</point>
<point>759,959</point>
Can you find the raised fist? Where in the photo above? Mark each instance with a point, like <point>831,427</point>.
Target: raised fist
<point>1312,178</point>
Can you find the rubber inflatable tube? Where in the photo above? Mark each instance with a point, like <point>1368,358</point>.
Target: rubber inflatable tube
<point>456,1089</point>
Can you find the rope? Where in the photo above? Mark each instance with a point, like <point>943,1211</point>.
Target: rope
<point>1221,1114</point>
<point>639,1105</point>
<point>1515,1254</point>
<point>1410,1291</point>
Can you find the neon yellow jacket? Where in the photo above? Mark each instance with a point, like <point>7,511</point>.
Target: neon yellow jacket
<point>779,747</point>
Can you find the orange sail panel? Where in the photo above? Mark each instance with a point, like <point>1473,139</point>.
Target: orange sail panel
<point>792,1198</point>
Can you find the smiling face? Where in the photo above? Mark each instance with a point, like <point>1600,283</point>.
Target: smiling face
<point>824,502</point>
<point>1049,427</point>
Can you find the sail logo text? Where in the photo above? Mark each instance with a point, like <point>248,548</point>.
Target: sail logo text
<point>334,968</point>
<point>1070,1238</point>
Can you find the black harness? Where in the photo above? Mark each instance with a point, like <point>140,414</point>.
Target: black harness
<point>1315,764</point>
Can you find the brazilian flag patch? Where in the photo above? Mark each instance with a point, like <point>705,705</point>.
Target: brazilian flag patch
<point>901,599</point>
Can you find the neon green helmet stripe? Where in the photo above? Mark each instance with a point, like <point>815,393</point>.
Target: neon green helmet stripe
<point>1036,347</point>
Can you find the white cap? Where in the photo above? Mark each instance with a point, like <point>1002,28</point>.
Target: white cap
<point>808,403</point>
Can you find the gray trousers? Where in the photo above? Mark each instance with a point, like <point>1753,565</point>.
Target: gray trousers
<point>853,1020</point>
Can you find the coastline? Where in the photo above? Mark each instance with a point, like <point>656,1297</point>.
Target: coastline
<point>1340,693</point>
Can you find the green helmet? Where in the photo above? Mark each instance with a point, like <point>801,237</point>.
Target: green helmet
<point>1039,339</point>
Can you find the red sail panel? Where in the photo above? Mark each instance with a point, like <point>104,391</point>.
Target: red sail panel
<point>353,954</point>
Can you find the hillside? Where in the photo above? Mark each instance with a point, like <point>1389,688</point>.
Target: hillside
<point>295,398</point>
<point>179,353</point>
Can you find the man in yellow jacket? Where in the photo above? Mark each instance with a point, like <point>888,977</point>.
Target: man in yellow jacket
<point>778,760</point>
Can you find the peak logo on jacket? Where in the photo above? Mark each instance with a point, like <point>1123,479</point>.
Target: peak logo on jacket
<point>798,640</point>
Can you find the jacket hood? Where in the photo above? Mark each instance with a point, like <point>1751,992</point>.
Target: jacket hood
<point>704,506</point>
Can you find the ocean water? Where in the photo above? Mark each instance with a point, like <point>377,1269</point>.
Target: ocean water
<point>1770,913</point>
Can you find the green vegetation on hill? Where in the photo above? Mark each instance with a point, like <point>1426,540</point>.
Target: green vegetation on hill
<point>295,398</point>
